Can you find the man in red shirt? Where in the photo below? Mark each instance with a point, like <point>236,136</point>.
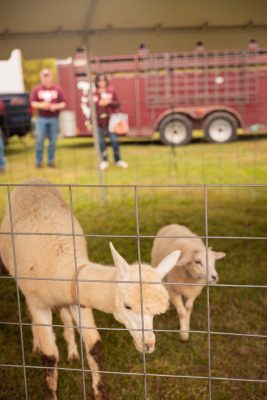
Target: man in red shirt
<point>47,99</point>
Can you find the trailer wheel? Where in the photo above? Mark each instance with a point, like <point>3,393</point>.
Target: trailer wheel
<point>220,127</point>
<point>175,130</point>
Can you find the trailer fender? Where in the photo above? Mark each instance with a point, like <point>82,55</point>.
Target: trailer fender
<point>198,114</point>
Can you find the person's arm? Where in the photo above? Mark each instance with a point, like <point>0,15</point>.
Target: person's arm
<point>101,102</point>
<point>61,102</point>
<point>35,103</point>
<point>39,105</point>
<point>115,103</point>
<point>57,106</point>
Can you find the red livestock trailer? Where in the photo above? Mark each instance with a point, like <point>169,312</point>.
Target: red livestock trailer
<point>175,93</point>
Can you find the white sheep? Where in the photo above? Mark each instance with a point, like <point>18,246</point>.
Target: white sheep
<point>44,248</point>
<point>191,268</point>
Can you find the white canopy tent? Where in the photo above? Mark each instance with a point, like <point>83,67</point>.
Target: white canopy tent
<point>55,28</point>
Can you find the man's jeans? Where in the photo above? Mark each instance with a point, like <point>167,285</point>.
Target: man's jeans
<point>46,126</point>
<point>2,158</point>
<point>102,132</point>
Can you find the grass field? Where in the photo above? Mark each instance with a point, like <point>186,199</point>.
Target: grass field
<point>232,212</point>
<point>243,161</point>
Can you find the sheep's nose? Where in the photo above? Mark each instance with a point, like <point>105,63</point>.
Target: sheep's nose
<point>214,278</point>
<point>149,342</point>
<point>148,347</point>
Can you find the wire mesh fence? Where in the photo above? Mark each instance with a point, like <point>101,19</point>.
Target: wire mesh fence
<point>225,357</point>
<point>229,326</point>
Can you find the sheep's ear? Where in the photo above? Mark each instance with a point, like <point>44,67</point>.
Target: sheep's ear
<point>219,255</point>
<point>168,263</point>
<point>123,267</point>
<point>210,248</point>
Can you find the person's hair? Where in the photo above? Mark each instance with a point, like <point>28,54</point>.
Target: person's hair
<point>45,72</point>
<point>98,77</point>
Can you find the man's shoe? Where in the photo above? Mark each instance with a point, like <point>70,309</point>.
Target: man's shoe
<point>51,164</point>
<point>38,165</point>
<point>122,164</point>
<point>2,170</point>
<point>104,165</point>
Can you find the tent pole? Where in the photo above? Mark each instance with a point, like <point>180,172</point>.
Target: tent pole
<point>102,194</point>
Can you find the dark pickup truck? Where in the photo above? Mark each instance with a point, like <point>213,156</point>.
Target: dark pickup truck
<point>15,114</point>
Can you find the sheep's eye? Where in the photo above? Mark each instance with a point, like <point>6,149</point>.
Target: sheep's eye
<point>128,307</point>
<point>198,262</point>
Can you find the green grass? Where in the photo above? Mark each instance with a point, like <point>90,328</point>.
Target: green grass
<point>243,161</point>
<point>231,212</point>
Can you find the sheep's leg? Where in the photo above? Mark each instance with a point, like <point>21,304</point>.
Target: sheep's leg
<point>35,340</point>
<point>177,301</point>
<point>92,344</point>
<point>69,334</point>
<point>189,303</point>
<point>45,340</point>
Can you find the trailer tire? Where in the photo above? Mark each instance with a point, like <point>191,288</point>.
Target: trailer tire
<point>176,130</point>
<point>220,127</point>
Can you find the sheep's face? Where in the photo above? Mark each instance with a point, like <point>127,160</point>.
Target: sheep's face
<point>198,267</point>
<point>136,304</point>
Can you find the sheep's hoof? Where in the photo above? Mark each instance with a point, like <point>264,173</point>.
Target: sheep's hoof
<point>73,357</point>
<point>51,396</point>
<point>101,396</point>
<point>102,393</point>
<point>184,336</point>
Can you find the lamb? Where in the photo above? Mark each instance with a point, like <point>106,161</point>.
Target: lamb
<point>75,288</point>
<point>191,268</point>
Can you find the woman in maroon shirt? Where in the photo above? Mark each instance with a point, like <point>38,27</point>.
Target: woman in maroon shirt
<point>107,103</point>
